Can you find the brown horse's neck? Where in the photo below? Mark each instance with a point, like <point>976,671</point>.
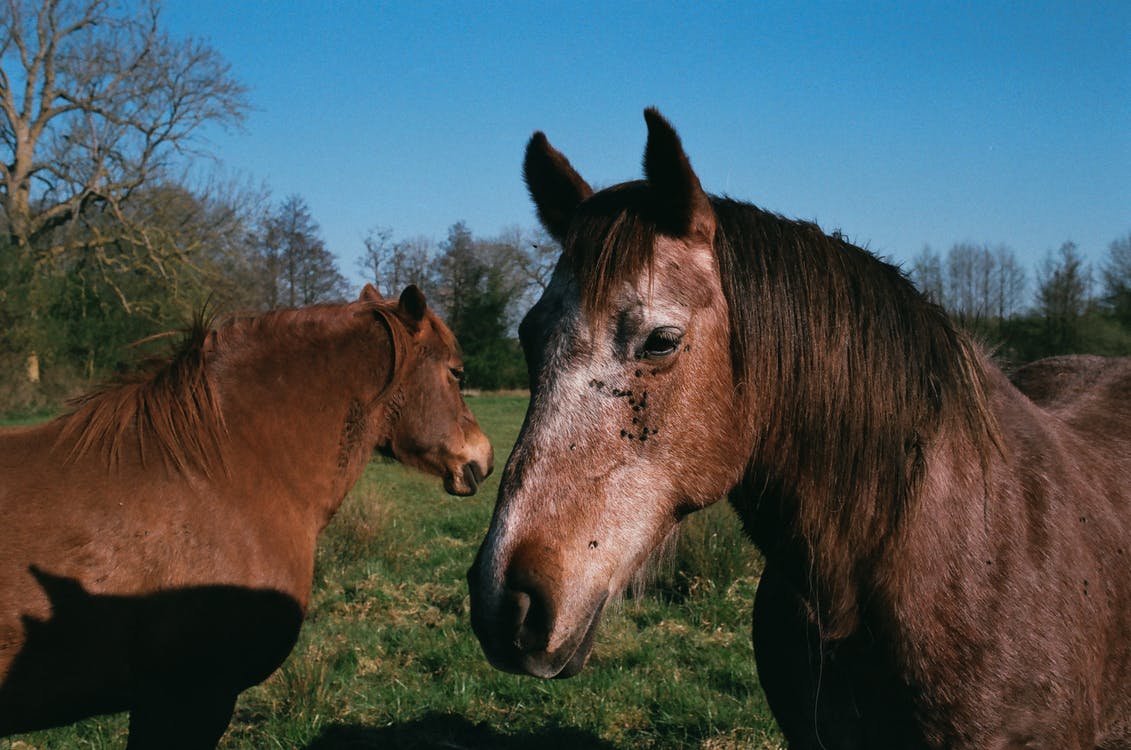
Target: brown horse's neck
<point>313,411</point>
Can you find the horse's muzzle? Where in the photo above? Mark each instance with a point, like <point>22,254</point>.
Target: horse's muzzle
<point>468,480</point>
<point>514,627</point>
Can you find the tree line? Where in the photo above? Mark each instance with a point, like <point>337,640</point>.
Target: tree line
<point>110,235</point>
<point>1071,307</point>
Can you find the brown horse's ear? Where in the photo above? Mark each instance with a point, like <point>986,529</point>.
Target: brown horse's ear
<point>684,209</point>
<point>412,303</point>
<point>554,184</point>
<point>369,293</point>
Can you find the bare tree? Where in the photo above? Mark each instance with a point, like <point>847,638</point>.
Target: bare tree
<point>970,285</point>
<point>95,103</point>
<point>532,254</point>
<point>927,274</point>
<point>391,266</point>
<point>1009,283</point>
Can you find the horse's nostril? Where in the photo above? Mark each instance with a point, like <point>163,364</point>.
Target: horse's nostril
<point>531,617</point>
<point>519,604</point>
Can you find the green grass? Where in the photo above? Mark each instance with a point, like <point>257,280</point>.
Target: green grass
<point>387,658</point>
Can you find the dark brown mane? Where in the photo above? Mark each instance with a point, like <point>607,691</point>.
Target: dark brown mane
<point>168,409</point>
<point>863,368</point>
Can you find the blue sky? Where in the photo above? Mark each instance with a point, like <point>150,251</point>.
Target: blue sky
<point>901,124</point>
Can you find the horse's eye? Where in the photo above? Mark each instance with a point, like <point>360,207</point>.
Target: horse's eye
<point>457,373</point>
<point>661,342</point>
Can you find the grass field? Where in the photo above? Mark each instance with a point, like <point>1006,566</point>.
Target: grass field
<point>387,658</point>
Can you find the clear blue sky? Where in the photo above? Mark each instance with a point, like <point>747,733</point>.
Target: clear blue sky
<point>901,124</point>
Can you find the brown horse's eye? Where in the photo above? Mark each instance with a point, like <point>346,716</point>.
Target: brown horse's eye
<point>457,373</point>
<point>661,342</point>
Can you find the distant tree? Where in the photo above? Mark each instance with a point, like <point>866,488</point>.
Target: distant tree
<point>1009,282</point>
<point>457,272</point>
<point>476,287</point>
<point>533,255</point>
<point>297,268</point>
<point>927,274</point>
<point>1117,279</point>
<point>969,293</point>
<point>1063,296</point>
<point>391,266</point>
<point>529,259</point>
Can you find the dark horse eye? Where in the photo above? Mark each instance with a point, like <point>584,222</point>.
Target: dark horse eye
<point>661,342</point>
<point>457,373</point>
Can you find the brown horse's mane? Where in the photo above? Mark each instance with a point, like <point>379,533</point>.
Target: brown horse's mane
<point>864,372</point>
<point>169,409</point>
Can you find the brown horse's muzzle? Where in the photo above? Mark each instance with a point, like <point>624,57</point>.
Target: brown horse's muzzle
<point>478,462</point>
<point>469,478</point>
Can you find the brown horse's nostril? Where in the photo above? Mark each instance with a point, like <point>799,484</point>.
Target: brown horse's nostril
<point>472,476</point>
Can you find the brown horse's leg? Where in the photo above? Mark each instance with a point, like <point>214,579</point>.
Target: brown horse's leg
<point>808,692</point>
<point>179,721</point>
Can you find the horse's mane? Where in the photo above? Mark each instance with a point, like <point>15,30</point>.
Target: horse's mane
<point>168,409</point>
<point>863,372</point>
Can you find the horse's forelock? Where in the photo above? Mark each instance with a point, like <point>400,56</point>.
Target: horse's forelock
<point>611,241</point>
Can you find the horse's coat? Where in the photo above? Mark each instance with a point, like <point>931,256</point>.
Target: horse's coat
<point>947,558</point>
<point>159,539</point>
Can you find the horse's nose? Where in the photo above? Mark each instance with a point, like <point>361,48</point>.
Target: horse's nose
<point>528,612</point>
<point>514,620</point>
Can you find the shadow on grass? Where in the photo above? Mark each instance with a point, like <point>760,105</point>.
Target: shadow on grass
<point>439,731</point>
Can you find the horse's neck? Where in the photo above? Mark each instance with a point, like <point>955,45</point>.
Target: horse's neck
<point>835,545</point>
<point>304,422</point>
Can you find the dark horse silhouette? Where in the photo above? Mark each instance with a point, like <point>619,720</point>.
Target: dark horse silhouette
<point>947,559</point>
<point>159,539</point>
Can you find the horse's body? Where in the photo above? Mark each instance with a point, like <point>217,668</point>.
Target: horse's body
<point>948,554</point>
<point>159,539</point>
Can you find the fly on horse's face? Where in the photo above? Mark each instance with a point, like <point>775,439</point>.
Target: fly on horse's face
<point>618,444</point>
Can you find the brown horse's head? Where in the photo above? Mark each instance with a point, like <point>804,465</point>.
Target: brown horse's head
<point>430,426</point>
<point>632,421</point>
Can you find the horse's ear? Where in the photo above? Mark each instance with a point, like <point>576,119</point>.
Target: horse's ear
<point>412,303</point>
<point>684,209</point>
<point>554,184</point>
<point>369,294</point>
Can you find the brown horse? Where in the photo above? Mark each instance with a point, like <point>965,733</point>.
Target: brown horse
<point>159,540</point>
<point>948,562</point>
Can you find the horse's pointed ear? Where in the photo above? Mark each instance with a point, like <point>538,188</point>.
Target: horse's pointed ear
<point>412,303</point>
<point>554,184</point>
<point>369,294</point>
<point>684,209</point>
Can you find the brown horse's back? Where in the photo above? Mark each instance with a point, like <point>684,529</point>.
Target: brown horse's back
<point>1059,382</point>
<point>1090,393</point>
